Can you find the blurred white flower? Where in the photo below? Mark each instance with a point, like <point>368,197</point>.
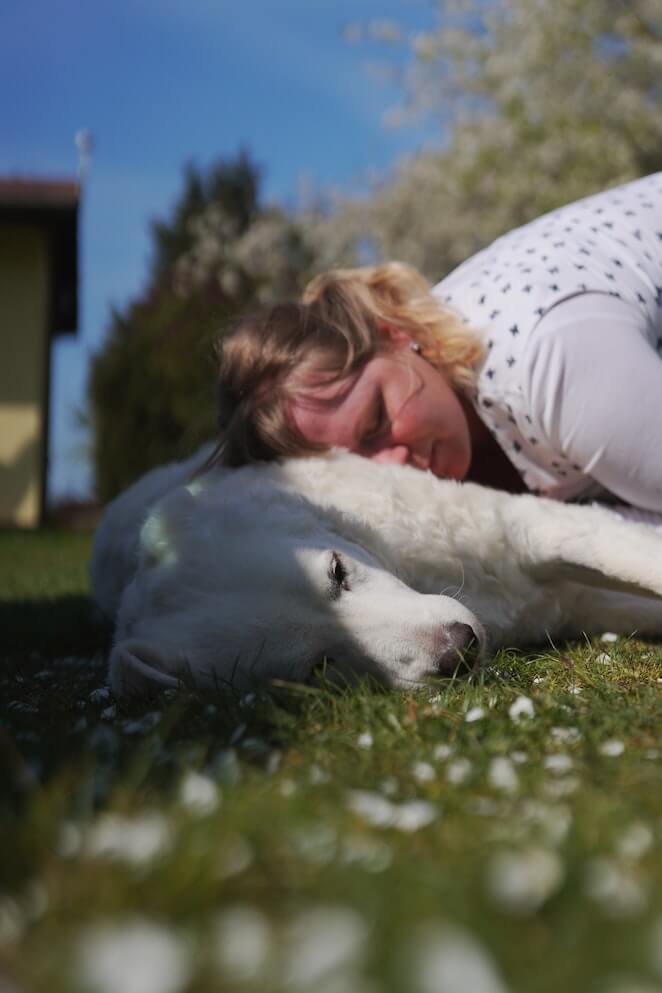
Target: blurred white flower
<point>371,854</point>
<point>423,772</point>
<point>609,637</point>
<point>502,776</point>
<point>458,770</point>
<point>557,788</point>
<point>521,881</point>
<point>414,815</point>
<point>552,820</point>
<point>519,757</point>
<point>128,839</point>
<point>443,751</point>
<point>603,658</point>
<point>636,841</point>
<point>474,714</point>
<point>321,942</point>
<point>317,776</point>
<point>242,943</point>
<point>521,707</point>
<point>364,740</point>
<point>612,747</point>
<point>565,735</point>
<point>134,956</point>
<point>558,763</point>
<point>237,855</point>
<point>614,887</point>
<point>446,959</point>
<point>377,810</point>
<point>199,794</point>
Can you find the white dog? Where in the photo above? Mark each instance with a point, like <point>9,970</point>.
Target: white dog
<point>272,570</point>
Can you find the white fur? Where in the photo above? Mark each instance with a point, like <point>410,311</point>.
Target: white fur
<point>229,577</point>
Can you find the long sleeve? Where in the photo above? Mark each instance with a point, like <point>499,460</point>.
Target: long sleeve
<point>594,386</point>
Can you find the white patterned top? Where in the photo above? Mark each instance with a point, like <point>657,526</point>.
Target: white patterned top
<point>570,310</point>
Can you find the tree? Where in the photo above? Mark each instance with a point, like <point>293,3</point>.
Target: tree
<point>151,390</point>
<point>537,103</point>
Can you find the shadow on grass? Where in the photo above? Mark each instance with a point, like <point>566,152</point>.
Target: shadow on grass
<point>51,627</point>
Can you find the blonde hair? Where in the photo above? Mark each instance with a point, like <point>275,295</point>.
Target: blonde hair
<point>337,327</point>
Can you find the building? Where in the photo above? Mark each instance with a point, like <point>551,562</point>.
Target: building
<point>38,301</point>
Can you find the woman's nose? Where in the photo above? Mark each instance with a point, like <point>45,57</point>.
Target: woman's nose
<point>398,455</point>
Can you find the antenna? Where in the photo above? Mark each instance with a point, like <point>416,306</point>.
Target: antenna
<point>85,145</point>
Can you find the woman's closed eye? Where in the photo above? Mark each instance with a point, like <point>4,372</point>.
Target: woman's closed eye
<point>378,424</point>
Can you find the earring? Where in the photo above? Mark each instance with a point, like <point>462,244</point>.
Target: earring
<point>415,347</point>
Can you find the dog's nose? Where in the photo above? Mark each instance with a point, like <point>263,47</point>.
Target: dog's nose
<point>460,651</point>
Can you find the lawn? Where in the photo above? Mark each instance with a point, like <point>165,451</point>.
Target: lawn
<point>500,835</point>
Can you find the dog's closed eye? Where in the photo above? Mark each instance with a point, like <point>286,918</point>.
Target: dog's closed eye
<point>337,575</point>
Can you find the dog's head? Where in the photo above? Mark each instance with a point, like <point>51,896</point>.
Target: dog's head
<point>231,592</point>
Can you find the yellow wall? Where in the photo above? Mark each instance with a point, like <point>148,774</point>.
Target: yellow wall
<point>24,275</point>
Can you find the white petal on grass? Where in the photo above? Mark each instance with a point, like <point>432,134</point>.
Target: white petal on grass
<point>321,942</point>
<point>636,841</point>
<point>474,714</point>
<point>565,735</point>
<point>237,856</point>
<point>445,959</point>
<point>558,763</point>
<point>521,708</point>
<point>458,770</point>
<point>242,943</point>
<point>423,772</point>
<point>124,839</point>
<point>134,956</point>
<point>372,807</point>
<point>380,812</point>
<point>315,841</point>
<point>371,854</point>
<point>555,789</point>
<point>614,888</point>
<point>365,740</point>
<point>412,816</point>
<point>502,776</point>
<point>199,793</point>
<point>317,776</point>
<point>70,839</point>
<point>521,881</point>
<point>603,658</point>
<point>612,747</point>
<point>12,921</point>
<point>609,637</point>
<point>553,821</point>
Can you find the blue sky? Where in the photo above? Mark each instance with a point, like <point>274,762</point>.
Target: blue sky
<point>163,82</point>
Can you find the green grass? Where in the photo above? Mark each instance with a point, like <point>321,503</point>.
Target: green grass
<point>542,874</point>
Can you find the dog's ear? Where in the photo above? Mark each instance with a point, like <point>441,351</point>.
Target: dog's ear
<point>135,671</point>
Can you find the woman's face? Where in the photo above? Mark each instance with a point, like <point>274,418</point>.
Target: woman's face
<point>396,408</point>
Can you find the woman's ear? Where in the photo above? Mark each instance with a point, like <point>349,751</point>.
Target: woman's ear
<point>395,335</point>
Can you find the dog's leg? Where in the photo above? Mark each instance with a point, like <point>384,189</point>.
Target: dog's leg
<point>586,545</point>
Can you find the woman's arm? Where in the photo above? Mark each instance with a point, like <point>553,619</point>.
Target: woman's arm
<point>594,388</point>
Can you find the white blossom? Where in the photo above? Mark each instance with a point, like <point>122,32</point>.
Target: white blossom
<point>134,956</point>
<point>612,747</point>
<point>521,707</point>
<point>502,776</point>
<point>128,839</point>
<point>446,959</point>
<point>474,714</point>
<point>521,881</point>
<point>199,793</point>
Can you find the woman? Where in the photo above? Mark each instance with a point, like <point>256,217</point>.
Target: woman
<point>533,366</point>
